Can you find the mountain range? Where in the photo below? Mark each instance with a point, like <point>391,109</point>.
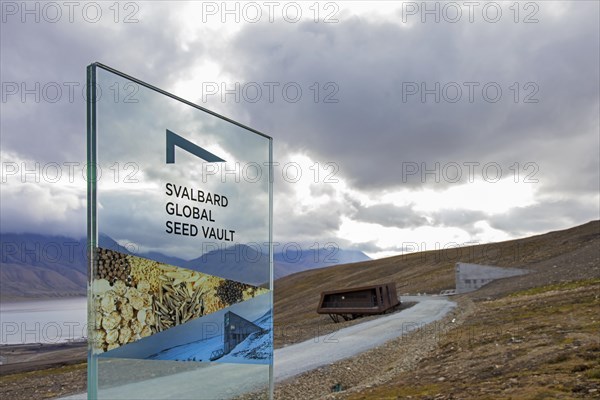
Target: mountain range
<point>42,266</point>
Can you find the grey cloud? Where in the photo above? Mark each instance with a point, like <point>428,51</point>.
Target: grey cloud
<point>390,215</point>
<point>42,208</point>
<point>367,247</point>
<point>58,53</point>
<point>322,189</point>
<point>306,226</point>
<point>458,218</point>
<point>550,215</point>
<point>55,132</point>
<point>371,131</point>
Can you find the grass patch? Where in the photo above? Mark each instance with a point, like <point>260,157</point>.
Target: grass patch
<point>43,372</point>
<point>538,347</point>
<point>557,286</point>
<point>593,373</point>
<point>401,392</point>
<point>559,358</point>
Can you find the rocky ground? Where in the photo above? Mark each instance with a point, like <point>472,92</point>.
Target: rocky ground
<point>536,344</point>
<point>375,366</point>
<point>45,371</point>
<point>535,336</point>
<point>44,384</point>
<point>30,357</point>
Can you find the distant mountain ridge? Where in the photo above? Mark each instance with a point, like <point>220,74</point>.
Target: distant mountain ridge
<point>41,266</point>
<point>33,265</point>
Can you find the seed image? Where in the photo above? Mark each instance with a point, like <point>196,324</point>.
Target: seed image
<point>176,304</point>
<point>137,297</point>
<point>121,311</point>
<point>119,288</point>
<point>125,335</point>
<point>112,336</point>
<point>136,326</point>
<point>231,292</point>
<point>144,270</point>
<point>126,311</point>
<point>112,266</point>
<point>111,321</point>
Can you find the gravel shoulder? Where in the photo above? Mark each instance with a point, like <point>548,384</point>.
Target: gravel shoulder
<point>347,342</point>
<point>375,366</point>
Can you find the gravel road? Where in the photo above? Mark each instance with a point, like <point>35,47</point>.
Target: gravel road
<point>301,357</point>
<point>294,359</point>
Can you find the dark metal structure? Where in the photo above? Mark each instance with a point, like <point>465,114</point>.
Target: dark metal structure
<point>359,301</point>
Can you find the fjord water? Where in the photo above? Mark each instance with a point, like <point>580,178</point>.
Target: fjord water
<point>43,321</point>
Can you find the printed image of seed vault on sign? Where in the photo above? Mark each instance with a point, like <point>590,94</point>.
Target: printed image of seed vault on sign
<point>179,226</point>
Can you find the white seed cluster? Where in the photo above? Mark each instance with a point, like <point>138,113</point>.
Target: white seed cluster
<point>123,313</point>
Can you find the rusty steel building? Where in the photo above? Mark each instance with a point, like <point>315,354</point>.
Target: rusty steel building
<point>359,301</point>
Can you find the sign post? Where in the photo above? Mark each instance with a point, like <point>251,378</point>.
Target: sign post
<point>180,281</point>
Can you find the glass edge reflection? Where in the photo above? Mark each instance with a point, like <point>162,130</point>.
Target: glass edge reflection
<point>175,97</point>
<point>92,233</point>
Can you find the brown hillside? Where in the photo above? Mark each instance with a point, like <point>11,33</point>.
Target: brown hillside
<point>558,256</point>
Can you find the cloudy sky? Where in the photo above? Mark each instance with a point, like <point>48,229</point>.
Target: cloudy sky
<point>438,124</point>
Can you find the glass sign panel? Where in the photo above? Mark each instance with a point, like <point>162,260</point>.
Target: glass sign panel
<point>179,225</point>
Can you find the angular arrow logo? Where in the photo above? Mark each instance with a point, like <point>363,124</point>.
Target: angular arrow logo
<point>174,139</point>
